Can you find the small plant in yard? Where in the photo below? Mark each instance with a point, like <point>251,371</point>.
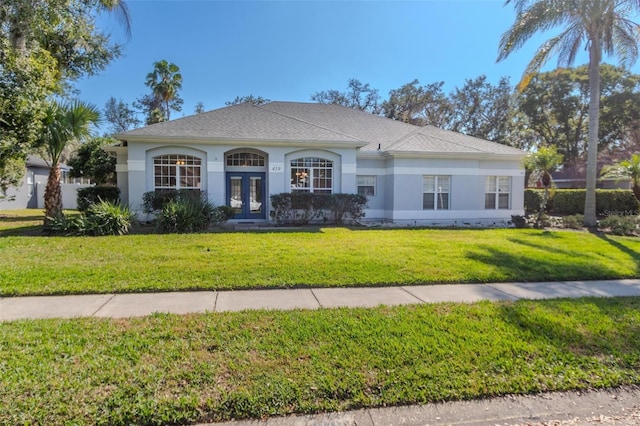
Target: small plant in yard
<point>102,218</point>
<point>188,214</point>
<point>575,221</point>
<point>620,225</point>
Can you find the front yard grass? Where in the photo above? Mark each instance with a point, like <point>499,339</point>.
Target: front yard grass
<point>169,369</point>
<point>314,257</point>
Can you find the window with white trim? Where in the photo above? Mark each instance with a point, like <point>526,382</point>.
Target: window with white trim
<point>312,175</point>
<point>176,171</point>
<point>366,185</point>
<point>435,192</point>
<point>245,159</point>
<point>497,192</point>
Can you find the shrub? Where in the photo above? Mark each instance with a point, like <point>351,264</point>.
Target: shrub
<point>619,225</point>
<point>296,208</point>
<point>188,214</point>
<point>109,218</point>
<point>300,208</point>
<point>102,218</point>
<point>519,221</point>
<point>154,201</point>
<point>226,212</point>
<point>342,205</point>
<point>568,201</point>
<point>575,221</point>
<point>94,194</point>
<point>571,202</point>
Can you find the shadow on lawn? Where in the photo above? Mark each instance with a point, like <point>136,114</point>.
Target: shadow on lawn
<point>22,231</point>
<point>583,333</point>
<point>513,266</point>
<point>631,253</point>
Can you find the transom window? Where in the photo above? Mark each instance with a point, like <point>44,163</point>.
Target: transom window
<point>312,175</point>
<point>366,185</point>
<point>176,171</point>
<point>435,192</point>
<point>497,192</point>
<point>247,159</point>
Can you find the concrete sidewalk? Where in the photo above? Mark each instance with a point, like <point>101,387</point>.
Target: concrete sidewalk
<point>132,305</point>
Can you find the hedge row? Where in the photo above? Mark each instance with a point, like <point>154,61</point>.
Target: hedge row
<point>301,208</point>
<point>571,201</point>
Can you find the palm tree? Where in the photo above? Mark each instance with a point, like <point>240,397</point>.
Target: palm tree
<point>541,164</point>
<point>626,169</point>
<point>165,80</point>
<point>63,124</point>
<point>605,26</point>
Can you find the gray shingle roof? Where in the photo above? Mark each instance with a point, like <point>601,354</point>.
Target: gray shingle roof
<point>313,122</point>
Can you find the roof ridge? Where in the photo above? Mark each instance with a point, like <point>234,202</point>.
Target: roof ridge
<point>306,122</point>
<point>455,142</point>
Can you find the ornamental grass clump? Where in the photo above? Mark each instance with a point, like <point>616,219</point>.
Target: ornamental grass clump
<point>101,218</point>
<point>188,214</point>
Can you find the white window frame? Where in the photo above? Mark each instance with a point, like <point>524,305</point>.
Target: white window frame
<point>366,181</point>
<point>498,188</point>
<point>177,166</point>
<point>428,190</point>
<point>308,172</point>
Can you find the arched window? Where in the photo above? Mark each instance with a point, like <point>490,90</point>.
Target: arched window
<point>248,159</point>
<point>176,171</point>
<point>312,175</point>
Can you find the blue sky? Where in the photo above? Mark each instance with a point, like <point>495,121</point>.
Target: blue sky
<point>287,50</point>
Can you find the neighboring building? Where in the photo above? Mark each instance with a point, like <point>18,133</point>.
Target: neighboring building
<point>30,193</point>
<point>242,154</point>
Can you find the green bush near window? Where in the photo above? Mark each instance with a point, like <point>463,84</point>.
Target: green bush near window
<point>188,214</point>
<point>300,208</point>
<point>184,211</point>
<point>571,202</point>
<point>101,218</point>
<point>154,201</point>
<point>347,205</point>
<point>94,194</point>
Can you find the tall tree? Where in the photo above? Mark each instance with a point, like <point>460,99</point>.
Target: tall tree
<point>556,104</point>
<point>45,45</point>
<point>484,110</point>
<point>92,162</point>
<point>63,124</point>
<point>358,96</point>
<point>255,100</point>
<point>120,117</point>
<point>605,26</point>
<point>165,81</point>
<point>419,105</point>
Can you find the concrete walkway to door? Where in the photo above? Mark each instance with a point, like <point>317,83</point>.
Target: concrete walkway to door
<point>141,304</point>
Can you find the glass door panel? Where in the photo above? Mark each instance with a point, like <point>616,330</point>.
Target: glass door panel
<point>235,193</point>
<point>255,191</point>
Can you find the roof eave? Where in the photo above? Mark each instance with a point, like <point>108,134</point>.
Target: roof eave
<point>457,155</point>
<point>240,141</point>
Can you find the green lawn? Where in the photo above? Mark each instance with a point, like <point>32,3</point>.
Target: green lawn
<point>169,369</point>
<point>317,257</point>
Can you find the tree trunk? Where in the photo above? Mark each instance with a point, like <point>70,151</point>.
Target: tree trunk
<point>592,147</point>
<point>53,195</point>
<point>543,206</point>
<point>636,191</point>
